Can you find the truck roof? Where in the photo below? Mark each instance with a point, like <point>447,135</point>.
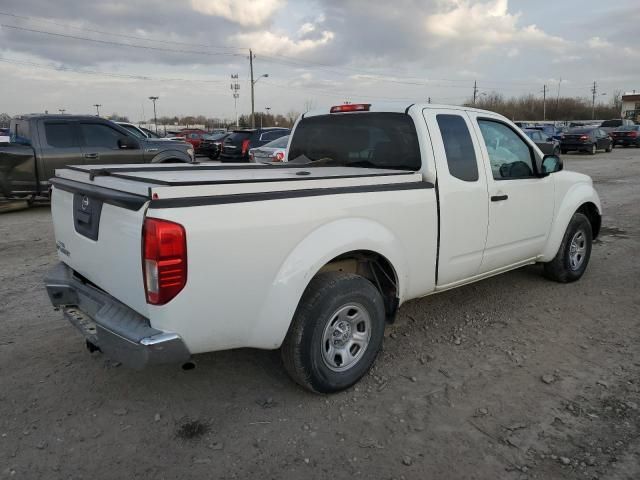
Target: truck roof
<point>396,107</point>
<point>57,116</point>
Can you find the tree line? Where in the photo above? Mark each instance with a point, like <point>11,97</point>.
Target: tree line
<point>532,107</point>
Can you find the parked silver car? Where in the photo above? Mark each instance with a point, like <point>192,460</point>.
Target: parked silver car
<point>275,151</point>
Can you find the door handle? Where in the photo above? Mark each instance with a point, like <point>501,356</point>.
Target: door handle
<point>499,198</point>
<point>90,155</point>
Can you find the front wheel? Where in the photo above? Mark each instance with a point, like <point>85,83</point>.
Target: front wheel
<point>609,148</point>
<point>572,258</point>
<point>336,332</point>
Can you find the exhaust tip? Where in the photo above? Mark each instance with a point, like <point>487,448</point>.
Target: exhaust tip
<point>188,365</point>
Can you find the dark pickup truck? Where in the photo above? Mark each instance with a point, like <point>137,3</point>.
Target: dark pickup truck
<point>41,143</point>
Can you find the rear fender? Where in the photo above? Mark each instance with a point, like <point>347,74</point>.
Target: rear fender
<point>314,252</point>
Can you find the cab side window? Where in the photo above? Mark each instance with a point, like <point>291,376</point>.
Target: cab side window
<point>60,135</point>
<point>510,156</point>
<point>458,146</point>
<point>99,135</point>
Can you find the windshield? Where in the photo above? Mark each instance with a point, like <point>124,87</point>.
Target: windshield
<point>278,143</point>
<point>375,140</point>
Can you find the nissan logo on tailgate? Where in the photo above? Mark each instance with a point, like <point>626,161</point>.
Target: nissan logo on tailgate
<point>85,203</point>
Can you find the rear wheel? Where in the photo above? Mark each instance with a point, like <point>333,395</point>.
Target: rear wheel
<point>609,148</point>
<point>594,149</point>
<point>336,332</point>
<point>563,151</point>
<point>572,258</point>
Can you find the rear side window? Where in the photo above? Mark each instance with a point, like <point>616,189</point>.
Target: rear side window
<point>272,135</point>
<point>60,135</point>
<point>99,135</point>
<point>279,143</point>
<point>611,123</point>
<point>461,156</point>
<point>375,140</point>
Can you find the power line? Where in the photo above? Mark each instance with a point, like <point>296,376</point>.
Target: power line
<point>62,68</point>
<point>120,44</point>
<point>103,32</point>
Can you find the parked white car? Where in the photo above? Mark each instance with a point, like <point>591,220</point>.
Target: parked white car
<point>376,206</point>
<point>275,151</point>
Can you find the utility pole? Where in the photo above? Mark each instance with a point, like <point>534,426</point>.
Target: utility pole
<point>97,105</point>
<point>155,116</point>
<point>594,91</point>
<point>235,86</point>
<point>544,102</point>
<point>253,113</point>
<point>475,91</point>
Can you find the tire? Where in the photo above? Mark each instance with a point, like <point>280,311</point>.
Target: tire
<point>594,149</point>
<point>556,151</point>
<point>328,306</point>
<point>568,265</point>
<point>609,149</point>
<point>563,151</point>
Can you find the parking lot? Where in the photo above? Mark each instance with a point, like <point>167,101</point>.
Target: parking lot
<point>512,377</point>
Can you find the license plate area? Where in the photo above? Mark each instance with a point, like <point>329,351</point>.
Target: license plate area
<point>86,215</point>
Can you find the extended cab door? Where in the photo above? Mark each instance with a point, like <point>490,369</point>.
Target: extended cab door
<point>100,144</point>
<point>462,193</point>
<point>521,203</point>
<point>59,147</point>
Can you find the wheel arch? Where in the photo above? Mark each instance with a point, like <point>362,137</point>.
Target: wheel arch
<point>370,247</point>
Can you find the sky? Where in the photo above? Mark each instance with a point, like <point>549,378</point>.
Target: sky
<point>72,54</point>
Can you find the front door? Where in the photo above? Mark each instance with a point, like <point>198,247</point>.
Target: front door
<point>462,191</point>
<point>100,145</point>
<point>521,203</point>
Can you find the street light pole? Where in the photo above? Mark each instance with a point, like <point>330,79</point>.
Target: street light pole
<point>62,110</point>
<point>97,105</point>
<point>155,116</point>
<point>253,82</point>
<point>267,109</point>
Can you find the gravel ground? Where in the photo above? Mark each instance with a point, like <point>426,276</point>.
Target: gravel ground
<point>513,377</point>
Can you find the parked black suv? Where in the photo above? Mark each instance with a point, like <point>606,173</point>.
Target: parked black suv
<point>236,146</point>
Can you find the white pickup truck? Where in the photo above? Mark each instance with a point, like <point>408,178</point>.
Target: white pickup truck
<point>377,205</point>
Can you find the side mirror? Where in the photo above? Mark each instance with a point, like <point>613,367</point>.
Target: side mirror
<point>128,143</point>
<point>551,164</point>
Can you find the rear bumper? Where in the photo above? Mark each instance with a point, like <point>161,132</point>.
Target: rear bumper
<point>576,146</point>
<point>626,141</point>
<point>118,331</point>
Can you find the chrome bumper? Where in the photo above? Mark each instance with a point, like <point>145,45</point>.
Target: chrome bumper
<point>118,331</point>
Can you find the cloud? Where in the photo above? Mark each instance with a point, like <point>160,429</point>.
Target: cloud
<point>597,42</point>
<point>269,43</point>
<point>242,12</point>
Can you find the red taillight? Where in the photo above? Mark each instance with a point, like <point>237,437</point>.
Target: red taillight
<point>245,146</point>
<point>278,157</point>
<point>164,260</point>
<point>351,107</point>
<point>632,134</point>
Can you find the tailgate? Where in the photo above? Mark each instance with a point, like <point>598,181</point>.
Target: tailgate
<point>98,234</point>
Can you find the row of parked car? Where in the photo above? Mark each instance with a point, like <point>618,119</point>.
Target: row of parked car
<point>241,145</point>
<point>605,136</point>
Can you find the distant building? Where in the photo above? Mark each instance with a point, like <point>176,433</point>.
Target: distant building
<point>631,106</point>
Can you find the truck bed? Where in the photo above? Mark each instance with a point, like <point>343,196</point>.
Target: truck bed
<point>160,184</point>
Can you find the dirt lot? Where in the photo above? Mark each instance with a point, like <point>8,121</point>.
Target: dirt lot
<point>514,377</point>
